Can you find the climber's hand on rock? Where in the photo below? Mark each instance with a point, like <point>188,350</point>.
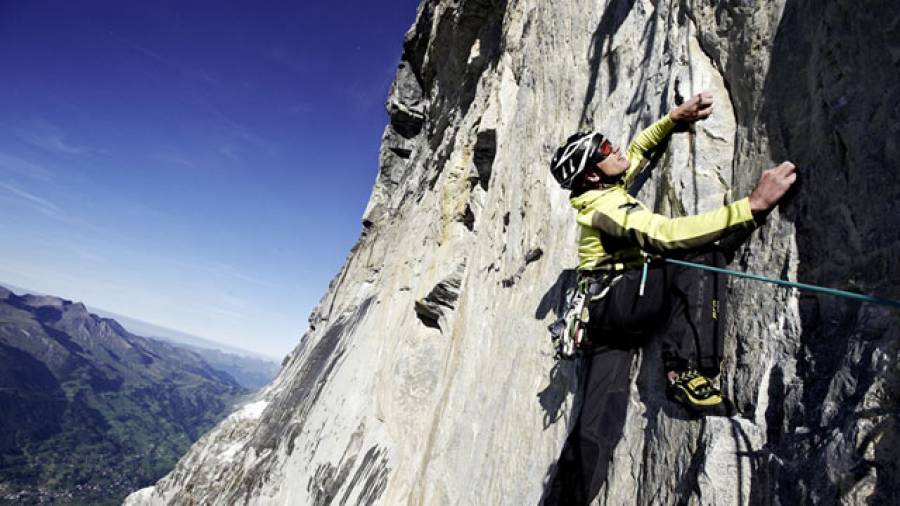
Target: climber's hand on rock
<point>772,185</point>
<point>697,108</point>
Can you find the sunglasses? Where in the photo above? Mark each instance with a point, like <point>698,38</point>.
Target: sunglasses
<point>603,150</point>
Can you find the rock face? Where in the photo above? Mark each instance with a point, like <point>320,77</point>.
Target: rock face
<point>426,376</point>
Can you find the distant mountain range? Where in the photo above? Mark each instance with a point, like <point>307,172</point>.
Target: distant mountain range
<point>90,411</point>
<point>251,370</point>
<point>152,330</point>
<point>146,329</point>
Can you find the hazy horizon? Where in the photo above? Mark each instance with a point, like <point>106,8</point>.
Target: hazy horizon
<point>148,329</point>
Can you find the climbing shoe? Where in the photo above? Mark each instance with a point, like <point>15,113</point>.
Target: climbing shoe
<point>697,393</point>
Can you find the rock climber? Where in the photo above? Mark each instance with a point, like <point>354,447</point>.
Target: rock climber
<point>635,296</point>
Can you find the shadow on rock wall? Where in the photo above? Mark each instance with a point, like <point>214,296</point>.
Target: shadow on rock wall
<point>559,384</point>
<point>832,106</point>
<point>614,15</point>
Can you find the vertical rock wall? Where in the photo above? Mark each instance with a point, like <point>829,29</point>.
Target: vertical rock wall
<point>426,376</point>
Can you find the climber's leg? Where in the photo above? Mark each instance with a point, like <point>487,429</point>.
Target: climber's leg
<point>603,415</point>
<point>583,465</point>
<point>693,340</point>
<point>694,334</point>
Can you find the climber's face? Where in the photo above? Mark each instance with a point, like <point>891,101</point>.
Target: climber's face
<point>615,164</point>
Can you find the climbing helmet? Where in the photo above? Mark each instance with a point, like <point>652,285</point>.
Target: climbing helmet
<point>576,154</point>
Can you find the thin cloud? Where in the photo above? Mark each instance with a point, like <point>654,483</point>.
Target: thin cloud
<point>52,210</point>
<point>14,165</point>
<point>213,312</point>
<point>185,70</point>
<point>174,159</point>
<point>300,108</point>
<point>42,204</point>
<point>81,249</point>
<point>140,209</point>
<point>242,132</point>
<point>283,252</point>
<point>221,311</point>
<point>216,269</point>
<point>227,271</point>
<point>47,136</point>
<point>281,56</point>
<point>229,152</point>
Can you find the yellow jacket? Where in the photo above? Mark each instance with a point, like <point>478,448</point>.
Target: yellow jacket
<point>617,230</point>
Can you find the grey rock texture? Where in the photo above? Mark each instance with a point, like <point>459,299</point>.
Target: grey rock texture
<point>426,376</point>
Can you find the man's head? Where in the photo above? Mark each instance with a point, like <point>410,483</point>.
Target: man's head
<point>615,164</point>
<point>587,158</point>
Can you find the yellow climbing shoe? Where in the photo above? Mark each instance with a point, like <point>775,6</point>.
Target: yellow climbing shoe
<point>697,393</point>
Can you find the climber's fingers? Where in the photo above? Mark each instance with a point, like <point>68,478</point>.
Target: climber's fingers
<point>704,99</point>
<point>705,113</point>
<point>773,184</point>
<point>787,169</point>
<point>697,108</point>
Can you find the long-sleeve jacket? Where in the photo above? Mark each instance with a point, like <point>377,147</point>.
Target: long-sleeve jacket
<point>617,230</point>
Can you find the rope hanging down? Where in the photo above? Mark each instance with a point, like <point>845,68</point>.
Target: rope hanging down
<point>792,284</point>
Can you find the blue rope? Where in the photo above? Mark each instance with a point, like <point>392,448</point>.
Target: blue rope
<point>792,284</point>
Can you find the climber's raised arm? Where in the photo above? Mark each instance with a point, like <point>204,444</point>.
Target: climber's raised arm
<point>621,216</point>
<point>697,108</point>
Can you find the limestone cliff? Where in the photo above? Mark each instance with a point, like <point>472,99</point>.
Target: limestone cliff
<point>426,376</point>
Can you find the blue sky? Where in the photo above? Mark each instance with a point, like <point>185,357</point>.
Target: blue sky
<point>198,165</point>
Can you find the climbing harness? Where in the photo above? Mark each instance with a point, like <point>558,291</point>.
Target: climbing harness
<point>792,284</point>
<point>569,333</point>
